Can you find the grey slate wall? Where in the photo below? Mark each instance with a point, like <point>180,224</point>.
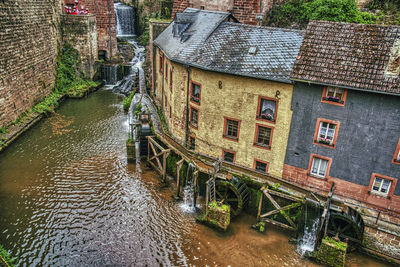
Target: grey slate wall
<point>367,138</point>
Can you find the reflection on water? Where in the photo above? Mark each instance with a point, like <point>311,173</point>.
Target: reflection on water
<point>68,198</point>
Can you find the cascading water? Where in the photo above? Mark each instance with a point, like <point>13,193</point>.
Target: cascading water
<point>125,19</point>
<point>188,191</point>
<point>109,74</point>
<point>309,226</point>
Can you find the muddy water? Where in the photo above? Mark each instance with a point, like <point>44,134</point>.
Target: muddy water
<point>68,198</point>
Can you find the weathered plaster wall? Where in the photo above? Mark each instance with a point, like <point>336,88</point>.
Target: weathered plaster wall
<point>81,33</point>
<point>29,32</point>
<point>237,99</point>
<point>105,20</point>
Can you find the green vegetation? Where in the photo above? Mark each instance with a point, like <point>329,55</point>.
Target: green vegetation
<point>69,81</point>
<point>297,13</point>
<point>388,11</point>
<point>6,258</point>
<point>128,100</point>
<point>215,205</point>
<point>3,130</point>
<point>163,121</point>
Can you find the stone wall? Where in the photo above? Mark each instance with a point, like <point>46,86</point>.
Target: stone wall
<point>29,32</point>
<point>383,241</point>
<point>80,32</point>
<point>106,26</point>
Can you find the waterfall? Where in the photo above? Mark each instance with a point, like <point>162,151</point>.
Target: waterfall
<point>110,74</point>
<point>125,20</point>
<point>309,227</point>
<point>188,191</point>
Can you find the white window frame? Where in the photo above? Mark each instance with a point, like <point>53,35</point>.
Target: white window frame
<point>335,89</point>
<point>320,160</point>
<point>379,190</point>
<point>326,132</point>
<point>398,156</point>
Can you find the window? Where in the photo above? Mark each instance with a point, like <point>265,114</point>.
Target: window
<point>334,95</point>
<point>319,167</point>
<point>263,136</point>
<point>161,64</point>
<point>228,156</point>
<point>195,93</point>
<point>260,166</point>
<point>267,109</point>
<point>170,112</point>
<point>382,185</point>
<point>396,157</point>
<point>231,129</point>
<point>326,132</point>
<point>170,79</point>
<point>192,143</point>
<point>194,116</point>
<point>166,71</point>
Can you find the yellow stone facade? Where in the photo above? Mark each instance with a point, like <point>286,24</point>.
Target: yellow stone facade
<point>225,95</point>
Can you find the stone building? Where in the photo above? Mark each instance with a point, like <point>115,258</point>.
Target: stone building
<point>346,122</point>
<point>224,87</point>
<point>105,24</point>
<point>247,12</point>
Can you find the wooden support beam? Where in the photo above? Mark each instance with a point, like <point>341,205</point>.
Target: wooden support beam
<point>279,224</point>
<point>276,205</point>
<point>282,195</point>
<point>288,207</point>
<point>164,167</point>
<point>207,194</point>
<point>260,206</point>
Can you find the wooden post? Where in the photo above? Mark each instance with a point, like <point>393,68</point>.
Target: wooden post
<point>196,176</point>
<point>178,174</point>
<point>260,204</point>
<point>207,195</point>
<point>164,170</point>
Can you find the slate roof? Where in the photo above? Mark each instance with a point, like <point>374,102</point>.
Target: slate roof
<point>259,52</point>
<point>354,56</point>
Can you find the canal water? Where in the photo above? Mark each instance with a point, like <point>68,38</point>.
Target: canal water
<point>69,198</point>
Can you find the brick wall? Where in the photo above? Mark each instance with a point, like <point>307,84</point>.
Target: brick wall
<point>244,10</point>
<point>105,19</point>
<point>82,35</point>
<point>29,31</point>
<point>344,189</point>
<point>383,241</point>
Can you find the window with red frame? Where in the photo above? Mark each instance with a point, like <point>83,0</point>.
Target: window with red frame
<point>194,116</point>
<point>319,167</point>
<point>263,136</point>
<point>231,129</point>
<point>396,157</point>
<point>228,156</point>
<point>195,93</point>
<point>267,109</point>
<point>260,166</point>
<point>326,133</point>
<point>334,94</point>
<point>170,79</point>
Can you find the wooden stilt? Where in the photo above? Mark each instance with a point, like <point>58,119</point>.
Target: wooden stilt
<point>178,175</point>
<point>260,205</point>
<point>207,195</point>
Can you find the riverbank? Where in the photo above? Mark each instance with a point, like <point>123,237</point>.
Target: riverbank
<point>29,119</point>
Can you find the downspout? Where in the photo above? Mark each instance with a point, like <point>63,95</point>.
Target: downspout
<point>109,27</point>
<point>187,106</point>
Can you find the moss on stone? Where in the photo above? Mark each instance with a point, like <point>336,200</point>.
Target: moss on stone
<point>331,252</point>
